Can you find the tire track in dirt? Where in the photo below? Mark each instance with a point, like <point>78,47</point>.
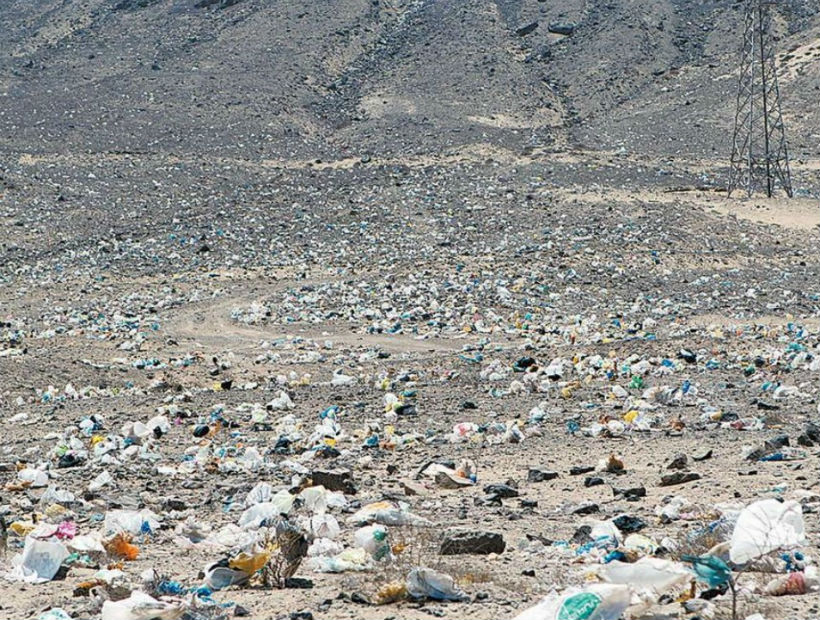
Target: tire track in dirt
<point>210,325</point>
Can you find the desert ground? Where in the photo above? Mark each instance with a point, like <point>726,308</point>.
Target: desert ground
<point>404,253</point>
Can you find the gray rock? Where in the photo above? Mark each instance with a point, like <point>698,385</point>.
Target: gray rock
<point>335,480</point>
<point>449,481</point>
<point>501,490</point>
<point>523,31</point>
<point>810,436</point>
<point>679,461</point>
<point>172,503</point>
<point>582,535</point>
<point>629,524</point>
<point>587,508</point>
<point>538,475</point>
<point>459,542</point>
<point>702,455</point>
<point>631,494</point>
<point>805,441</point>
<point>769,446</point>
<point>564,28</point>
<point>679,477</point>
<point>413,488</point>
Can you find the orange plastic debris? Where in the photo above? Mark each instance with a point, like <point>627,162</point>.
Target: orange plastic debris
<point>121,546</point>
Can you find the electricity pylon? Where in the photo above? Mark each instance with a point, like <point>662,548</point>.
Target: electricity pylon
<point>760,156</point>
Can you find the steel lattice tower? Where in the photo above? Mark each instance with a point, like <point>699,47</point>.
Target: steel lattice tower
<point>760,156</point>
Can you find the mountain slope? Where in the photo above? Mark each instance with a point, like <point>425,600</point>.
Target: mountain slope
<point>326,79</point>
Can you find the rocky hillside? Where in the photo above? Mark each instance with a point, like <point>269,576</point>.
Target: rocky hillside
<point>335,78</point>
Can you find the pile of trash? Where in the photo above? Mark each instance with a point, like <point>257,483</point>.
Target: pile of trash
<point>766,537</point>
<point>388,385</point>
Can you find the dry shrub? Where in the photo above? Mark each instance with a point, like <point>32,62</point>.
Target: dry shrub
<point>700,541</point>
<point>419,546</point>
<point>287,547</point>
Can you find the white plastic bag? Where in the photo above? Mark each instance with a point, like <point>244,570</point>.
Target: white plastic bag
<point>218,577</point>
<point>141,606</point>
<point>324,526</point>
<point>318,499</point>
<point>160,423</point>
<point>86,543</point>
<point>55,613</point>
<point>387,513</point>
<point>39,561</point>
<point>279,504</point>
<point>130,521</point>
<point>37,477</point>
<point>595,602</point>
<point>102,479</point>
<point>259,494</point>
<point>347,560</point>
<point>281,402</point>
<point>653,574</point>
<point>324,547</point>
<point>766,526</point>
<point>340,379</point>
<point>429,583</point>
<point>231,537</point>
<point>373,539</point>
